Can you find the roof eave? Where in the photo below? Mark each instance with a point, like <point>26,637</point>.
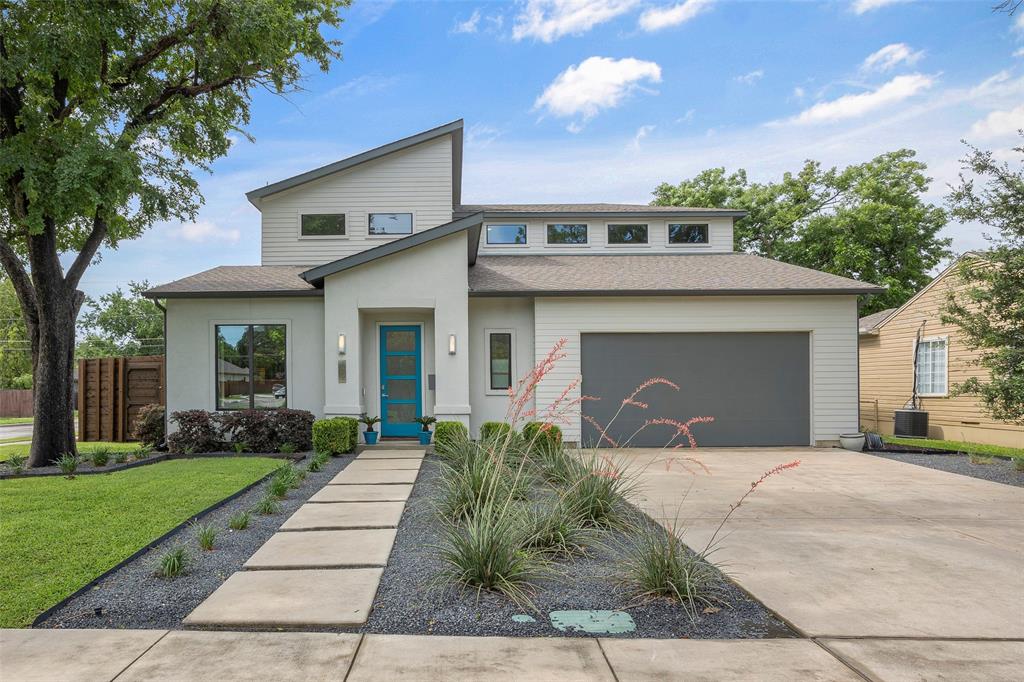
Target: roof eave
<point>276,293</point>
<point>540,293</point>
<point>488,215</point>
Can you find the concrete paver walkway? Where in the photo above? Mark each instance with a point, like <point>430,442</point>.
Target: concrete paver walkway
<point>363,493</point>
<point>326,549</point>
<point>346,477</point>
<point>313,516</point>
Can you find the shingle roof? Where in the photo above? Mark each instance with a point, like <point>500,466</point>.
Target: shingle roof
<point>652,274</point>
<point>867,323</point>
<point>593,209</point>
<point>239,280</point>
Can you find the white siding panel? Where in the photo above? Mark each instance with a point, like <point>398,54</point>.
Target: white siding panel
<point>417,181</point>
<point>831,321</point>
<point>515,314</point>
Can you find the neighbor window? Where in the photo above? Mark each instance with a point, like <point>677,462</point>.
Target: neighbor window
<point>251,362</point>
<point>506,234</point>
<point>687,233</point>
<point>391,223</point>
<point>931,367</point>
<point>627,234</point>
<point>499,360</point>
<point>323,224</point>
<point>563,233</point>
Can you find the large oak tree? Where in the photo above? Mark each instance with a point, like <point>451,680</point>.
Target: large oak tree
<point>107,109</point>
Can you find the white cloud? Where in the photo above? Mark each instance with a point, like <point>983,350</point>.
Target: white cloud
<point>481,135</point>
<point>657,18</point>
<point>750,78</point>
<point>1018,25</point>
<point>207,230</point>
<point>687,117</point>
<point>863,6</point>
<point>799,92</point>
<point>594,84</point>
<point>469,25</point>
<point>889,57</point>
<point>549,20</point>
<point>998,124</point>
<point>1020,52</point>
<point>641,133</point>
<point>853,106</point>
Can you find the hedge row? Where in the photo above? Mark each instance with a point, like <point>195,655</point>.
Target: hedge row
<point>335,436</point>
<point>255,430</point>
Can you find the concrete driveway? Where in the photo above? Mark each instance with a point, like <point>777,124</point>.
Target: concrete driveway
<point>854,546</point>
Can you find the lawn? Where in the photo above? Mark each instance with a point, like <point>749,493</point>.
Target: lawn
<point>58,534</point>
<point>957,446</point>
<point>8,421</point>
<point>83,448</point>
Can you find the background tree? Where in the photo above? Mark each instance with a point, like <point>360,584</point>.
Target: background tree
<point>106,111</point>
<point>119,324</point>
<point>866,221</point>
<point>15,351</point>
<point>990,310</point>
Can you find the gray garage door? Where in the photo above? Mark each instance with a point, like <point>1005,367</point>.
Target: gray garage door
<point>755,385</point>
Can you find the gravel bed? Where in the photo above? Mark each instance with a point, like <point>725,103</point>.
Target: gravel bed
<point>409,601</point>
<point>999,470</point>
<point>85,467</point>
<point>133,597</point>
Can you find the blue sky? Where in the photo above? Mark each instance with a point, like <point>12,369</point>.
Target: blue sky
<point>600,100</point>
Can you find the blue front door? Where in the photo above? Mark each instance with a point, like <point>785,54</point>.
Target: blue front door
<point>400,399</point>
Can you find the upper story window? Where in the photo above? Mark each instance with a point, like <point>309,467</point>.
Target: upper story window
<point>567,233</point>
<point>391,223</point>
<point>687,233</point>
<point>506,234</point>
<point>322,224</point>
<point>627,234</point>
<point>251,361</point>
<point>932,367</point>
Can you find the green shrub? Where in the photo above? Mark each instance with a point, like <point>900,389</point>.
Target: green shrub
<point>1018,463</point>
<point>172,563</point>
<point>68,464</point>
<point>206,535</point>
<point>335,436</point>
<point>317,461</point>
<point>494,430</point>
<point>239,447</point>
<point>22,381</point>
<point>447,435</point>
<point>17,463</point>
<point>198,431</point>
<point>100,456</point>
<point>144,451</point>
<point>287,448</point>
<point>541,436</point>
<point>240,521</point>
<point>120,457</point>
<point>267,506</point>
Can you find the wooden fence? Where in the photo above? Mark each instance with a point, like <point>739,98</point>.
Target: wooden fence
<point>112,390</point>
<point>16,402</point>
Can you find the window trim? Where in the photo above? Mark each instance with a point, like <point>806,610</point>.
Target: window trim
<point>933,339</point>
<point>298,225</point>
<point>566,246</point>
<point>487,360</point>
<point>396,235</point>
<point>288,365</point>
<point>487,235</point>
<point>686,245</point>
<point>609,244</point>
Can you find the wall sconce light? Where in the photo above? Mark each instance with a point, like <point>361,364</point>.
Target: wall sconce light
<point>451,344</point>
<point>341,344</point>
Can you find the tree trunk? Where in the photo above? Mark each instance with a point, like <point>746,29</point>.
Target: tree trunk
<point>53,430</point>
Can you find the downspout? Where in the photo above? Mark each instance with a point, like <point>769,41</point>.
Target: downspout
<point>163,379</point>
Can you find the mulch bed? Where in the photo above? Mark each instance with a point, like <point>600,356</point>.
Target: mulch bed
<point>999,470</point>
<point>409,601</point>
<point>133,597</point>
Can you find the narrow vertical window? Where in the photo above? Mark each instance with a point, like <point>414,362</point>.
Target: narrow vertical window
<point>500,360</point>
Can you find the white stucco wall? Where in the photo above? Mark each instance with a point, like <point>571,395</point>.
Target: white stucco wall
<point>191,373</point>
<point>417,180</point>
<point>429,280</point>
<point>499,315</point>
<point>831,321</point>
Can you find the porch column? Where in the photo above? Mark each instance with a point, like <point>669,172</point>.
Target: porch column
<point>342,371</point>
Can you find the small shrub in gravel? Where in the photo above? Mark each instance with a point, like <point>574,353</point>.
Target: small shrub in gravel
<point>68,464</point>
<point>150,425</point>
<point>172,563</point>
<point>555,529</point>
<point>471,483</point>
<point>317,462</point>
<point>449,435</point>
<point>980,459</point>
<point>286,478</point>
<point>267,506</point>
<point>240,521</point>
<point>206,536</point>
<point>17,463</point>
<point>120,457</point>
<point>558,466</point>
<point>1018,463</point>
<point>598,495</point>
<point>100,457</point>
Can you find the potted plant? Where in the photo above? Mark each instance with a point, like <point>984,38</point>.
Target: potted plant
<point>369,434</point>
<point>425,422</point>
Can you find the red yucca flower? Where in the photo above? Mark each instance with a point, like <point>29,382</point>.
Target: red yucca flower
<point>682,428</point>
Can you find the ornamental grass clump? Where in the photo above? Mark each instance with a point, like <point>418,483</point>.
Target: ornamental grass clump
<point>476,478</point>
<point>286,478</point>
<point>17,463</point>
<point>68,464</point>
<point>598,494</point>
<point>100,457</point>
<point>206,536</point>
<point>317,462</point>
<point>172,563</point>
<point>240,521</point>
<point>267,506</point>
<point>555,529</point>
<point>120,457</point>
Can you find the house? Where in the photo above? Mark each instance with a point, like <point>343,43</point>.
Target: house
<point>887,381</point>
<point>381,292</point>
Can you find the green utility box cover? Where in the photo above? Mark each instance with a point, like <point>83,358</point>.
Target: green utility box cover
<point>595,622</point>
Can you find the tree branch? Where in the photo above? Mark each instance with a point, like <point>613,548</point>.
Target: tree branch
<point>153,110</point>
<point>20,278</point>
<point>88,251</point>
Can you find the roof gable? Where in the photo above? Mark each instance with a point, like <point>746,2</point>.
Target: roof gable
<point>454,129</point>
<point>925,289</point>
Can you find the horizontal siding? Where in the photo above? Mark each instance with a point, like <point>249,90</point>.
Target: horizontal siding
<point>719,236</point>
<point>887,374</point>
<point>417,181</point>
<point>831,320</point>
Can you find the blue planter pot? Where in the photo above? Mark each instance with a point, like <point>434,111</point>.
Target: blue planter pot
<point>370,437</point>
<point>425,437</point>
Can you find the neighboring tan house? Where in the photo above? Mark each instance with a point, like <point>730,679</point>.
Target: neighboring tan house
<point>381,292</point>
<point>887,341</point>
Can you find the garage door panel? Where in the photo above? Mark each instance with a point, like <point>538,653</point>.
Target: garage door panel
<point>755,385</point>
